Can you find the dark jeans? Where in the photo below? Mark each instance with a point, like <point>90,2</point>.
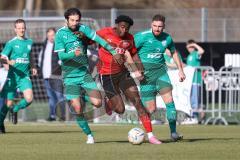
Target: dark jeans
<point>54,88</point>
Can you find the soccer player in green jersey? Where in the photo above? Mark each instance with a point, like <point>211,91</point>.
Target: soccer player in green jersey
<point>17,55</point>
<point>151,45</point>
<point>71,45</point>
<point>194,60</point>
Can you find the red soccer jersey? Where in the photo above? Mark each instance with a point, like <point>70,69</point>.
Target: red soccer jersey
<point>107,64</point>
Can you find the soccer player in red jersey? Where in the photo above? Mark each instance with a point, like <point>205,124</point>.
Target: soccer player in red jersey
<point>115,77</point>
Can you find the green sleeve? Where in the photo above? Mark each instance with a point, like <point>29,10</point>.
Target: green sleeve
<point>60,49</point>
<point>7,49</point>
<point>171,45</point>
<point>138,40</point>
<point>91,34</point>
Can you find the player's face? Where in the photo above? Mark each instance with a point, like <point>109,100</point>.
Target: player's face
<point>157,27</point>
<point>190,49</point>
<point>51,35</point>
<point>73,22</point>
<point>20,29</point>
<point>122,28</point>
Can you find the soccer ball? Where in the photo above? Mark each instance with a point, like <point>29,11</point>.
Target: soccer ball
<point>136,136</point>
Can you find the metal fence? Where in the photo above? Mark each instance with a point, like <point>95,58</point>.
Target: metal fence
<point>220,95</point>
<point>206,25</point>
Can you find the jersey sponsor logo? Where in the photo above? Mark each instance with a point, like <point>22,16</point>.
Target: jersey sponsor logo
<point>164,43</point>
<point>29,47</point>
<point>24,54</point>
<point>17,46</point>
<point>22,60</point>
<point>150,41</point>
<point>154,55</point>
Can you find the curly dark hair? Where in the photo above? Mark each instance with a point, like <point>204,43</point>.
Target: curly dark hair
<point>72,11</point>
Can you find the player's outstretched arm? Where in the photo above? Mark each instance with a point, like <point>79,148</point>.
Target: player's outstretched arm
<point>91,34</point>
<point>178,62</point>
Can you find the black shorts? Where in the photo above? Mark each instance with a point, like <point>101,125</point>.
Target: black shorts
<point>114,83</point>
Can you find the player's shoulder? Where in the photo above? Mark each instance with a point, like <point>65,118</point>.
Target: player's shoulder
<point>130,36</point>
<point>84,27</point>
<point>61,30</point>
<point>11,41</point>
<point>29,40</point>
<point>105,29</point>
<point>166,35</point>
<point>145,32</point>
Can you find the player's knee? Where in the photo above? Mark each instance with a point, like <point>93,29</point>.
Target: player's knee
<point>119,110</point>
<point>97,103</point>
<point>151,109</point>
<point>9,103</point>
<point>29,98</point>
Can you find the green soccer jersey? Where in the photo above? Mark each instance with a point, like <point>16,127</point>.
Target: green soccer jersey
<point>19,50</point>
<point>66,42</point>
<point>193,59</point>
<point>151,48</point>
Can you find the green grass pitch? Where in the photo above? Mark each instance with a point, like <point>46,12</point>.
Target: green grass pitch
<point>65,141</point>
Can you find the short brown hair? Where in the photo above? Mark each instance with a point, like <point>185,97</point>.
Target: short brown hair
<point>158,17</point>
<point>19,21</point>
<point>51,29</point>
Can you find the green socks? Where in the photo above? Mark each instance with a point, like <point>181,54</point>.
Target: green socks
<point>82,122</point>
<point>21,105</point>
<point>171,116</point>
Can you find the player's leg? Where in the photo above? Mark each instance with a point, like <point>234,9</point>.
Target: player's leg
<point>8,94</point>
<point>165,89</point>
<point>72,92</point>
<point>25,86</point>
<point>130,90</point>
<point>113,100</point>
<point>93,92</point>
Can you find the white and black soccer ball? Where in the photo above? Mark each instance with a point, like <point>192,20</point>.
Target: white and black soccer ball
<point>136,136</point>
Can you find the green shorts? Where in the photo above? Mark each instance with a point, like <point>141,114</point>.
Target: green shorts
<point>154,84</point>
<point>74,86</point>
<point>14,83</point>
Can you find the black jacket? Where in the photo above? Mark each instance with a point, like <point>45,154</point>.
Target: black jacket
<point>56,68</point>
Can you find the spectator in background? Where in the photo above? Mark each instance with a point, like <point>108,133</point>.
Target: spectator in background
<point>51,71</point>
<point>193,59</point>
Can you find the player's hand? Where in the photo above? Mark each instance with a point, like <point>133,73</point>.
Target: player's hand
<point>3,61</point>
<point>119,59</point>
<point>34,71</point>
<point>78,52</point>
<point>11,62</point>
<point>138,74</point>
<point>181,75</point>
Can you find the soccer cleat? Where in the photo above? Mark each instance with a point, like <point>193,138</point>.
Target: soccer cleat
<point>90,140</point>
<point>107,108</point>
<point>14,116</point>
<point>176,137</point>
<point>154,140</point>
<point>50,119</point>
<point>2,129</point>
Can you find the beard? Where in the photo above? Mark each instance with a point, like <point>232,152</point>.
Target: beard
<point>74,29</point>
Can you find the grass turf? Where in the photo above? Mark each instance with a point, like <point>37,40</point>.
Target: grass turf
<point>43,141</point>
